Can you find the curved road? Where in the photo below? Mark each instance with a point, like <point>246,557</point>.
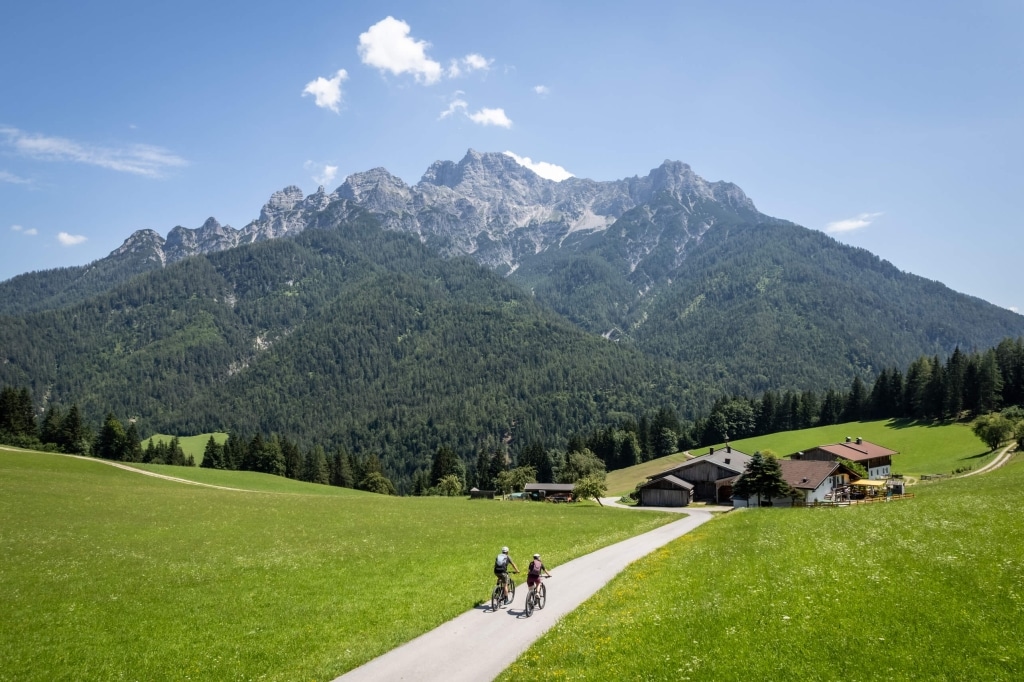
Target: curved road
<point>480,644</point>
<point>1002,458</point>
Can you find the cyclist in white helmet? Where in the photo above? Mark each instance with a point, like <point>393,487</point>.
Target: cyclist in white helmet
<point>501,564</point>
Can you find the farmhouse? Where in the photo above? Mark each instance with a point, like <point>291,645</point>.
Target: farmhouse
<point>812,481</point>
<point>706,478</point>
<point>875,458</point>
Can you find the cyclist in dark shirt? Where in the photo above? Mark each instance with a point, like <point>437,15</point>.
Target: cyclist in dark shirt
<point>535,570</point>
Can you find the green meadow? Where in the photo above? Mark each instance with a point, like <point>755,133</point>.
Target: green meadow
<point>930,588</point>
<point>109,574</point>
<point>924,448</point>
<point>190,445</point>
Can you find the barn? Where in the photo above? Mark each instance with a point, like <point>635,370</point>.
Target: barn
<point>710,476</point>
<point>666,491</point>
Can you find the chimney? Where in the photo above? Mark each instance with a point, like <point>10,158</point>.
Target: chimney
<point>728,448</point>
<point>847,439</point>
<point>711,450</point>
<point>727,460</point>
<point>859,440</point>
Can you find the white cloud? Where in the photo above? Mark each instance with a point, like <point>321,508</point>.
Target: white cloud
<point>457,104</point>
<point>388,46</point>
<point>13,179</point>
<point>468,64</point>
<point>491,117</point>
<point>542,89</point>
<point>542,168</point>
<point>1014,308</point>
<point>327,92</point>
<point>70,239</point>
<point>139,159</point>
<point>851,224</point>
<point>30,231</point>
<point>323,175</point>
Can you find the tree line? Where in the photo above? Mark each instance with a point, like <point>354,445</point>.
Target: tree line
<point>965,385</point>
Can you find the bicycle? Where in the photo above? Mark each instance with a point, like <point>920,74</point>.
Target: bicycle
<point>497,595</point>
<point>537,598</point>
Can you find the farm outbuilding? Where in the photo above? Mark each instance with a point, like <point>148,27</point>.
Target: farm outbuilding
<point>666,491</point>
<point>543,491</point>
<point>710,476</point>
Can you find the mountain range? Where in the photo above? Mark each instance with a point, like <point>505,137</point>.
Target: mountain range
<point>663,290</point>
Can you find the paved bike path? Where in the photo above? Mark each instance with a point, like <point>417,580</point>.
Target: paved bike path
<point>480,644</point>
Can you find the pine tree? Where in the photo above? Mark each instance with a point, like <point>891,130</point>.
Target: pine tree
<point>483,470</point>
<point>293,460</point>
<point>213,455</point>
<point>72,434</point>
<point>110,444</point>
<point>763,478</point>
<point>853,410</point>
<point>446,463</point>
<point>132,443</point>
<point>49,429</point>
<point>316,470</point>
<point>175,455</point>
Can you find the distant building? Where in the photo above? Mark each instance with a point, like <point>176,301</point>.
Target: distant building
<point>707,478</point>
<point>811,480</point>
<point>556,491</point>
<point>875,458</point>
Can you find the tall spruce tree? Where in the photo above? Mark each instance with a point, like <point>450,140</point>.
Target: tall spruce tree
<point>213,455</point>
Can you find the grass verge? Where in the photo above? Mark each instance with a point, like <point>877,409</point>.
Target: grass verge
<point>111,575</point>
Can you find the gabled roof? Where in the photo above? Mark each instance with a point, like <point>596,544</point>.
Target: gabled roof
<point>678,483</point>
<point>728,458</point>
<point>805,474</point>
<point>550,487</point>
<point>858,450</point>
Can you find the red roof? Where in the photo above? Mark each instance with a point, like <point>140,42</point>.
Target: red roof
<point>857,451</point>
<point>807,474</point>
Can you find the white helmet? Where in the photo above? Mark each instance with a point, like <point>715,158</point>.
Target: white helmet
<point>536,556</point>
<point>504,550</point>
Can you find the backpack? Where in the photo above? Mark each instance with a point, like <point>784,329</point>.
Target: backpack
<point>501,562</point>
<point>535,567</point>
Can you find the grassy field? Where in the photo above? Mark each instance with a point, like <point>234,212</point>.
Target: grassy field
<point>112,575</point>
<point>923,448</point>
<point>930,588</point>
<point>190,445</point>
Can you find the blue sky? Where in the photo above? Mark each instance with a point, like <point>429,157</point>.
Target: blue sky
<point>896,127</point>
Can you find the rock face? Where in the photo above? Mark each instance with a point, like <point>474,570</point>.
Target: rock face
<point>490,207</point>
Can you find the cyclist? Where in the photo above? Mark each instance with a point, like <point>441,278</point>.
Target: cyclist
<point>533,573</point>
<point>501,563</point>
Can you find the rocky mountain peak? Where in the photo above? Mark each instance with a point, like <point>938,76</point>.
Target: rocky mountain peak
<point>486,205</point>
<point>282,200</point>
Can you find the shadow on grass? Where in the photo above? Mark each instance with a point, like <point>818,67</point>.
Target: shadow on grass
<point>928,423</point>
<point>978,456</point>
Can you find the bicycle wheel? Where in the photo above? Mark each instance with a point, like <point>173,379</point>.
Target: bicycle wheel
<point>511,591</point>
<point>542,596</point>
<point>496,597</point>
<point>530,599</point>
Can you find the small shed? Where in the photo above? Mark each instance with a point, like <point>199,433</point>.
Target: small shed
<point>666,491</point>
<point>477,494</point>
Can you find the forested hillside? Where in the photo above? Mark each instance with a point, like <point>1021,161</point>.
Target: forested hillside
<point>357,336</point>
